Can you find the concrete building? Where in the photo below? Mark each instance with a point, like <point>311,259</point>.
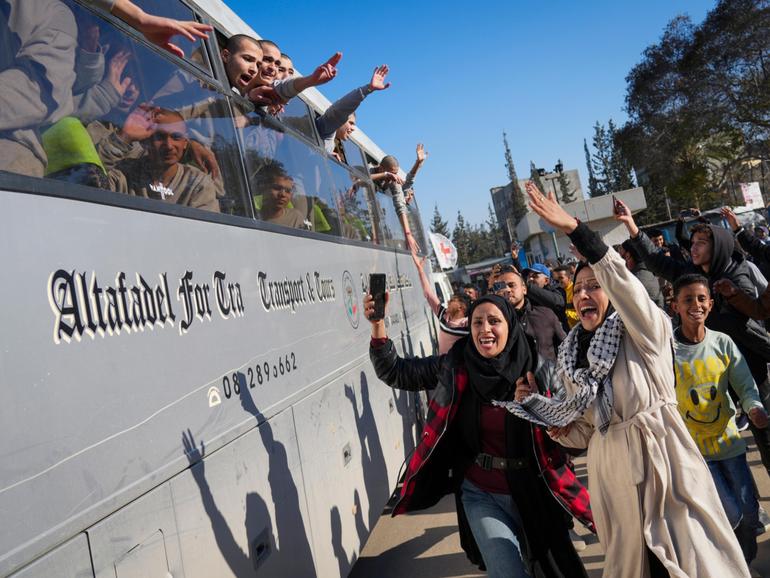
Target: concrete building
<point>542,243</point>
<point>501,197</point>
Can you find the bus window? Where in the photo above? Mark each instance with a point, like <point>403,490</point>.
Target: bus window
<point>353,155</point>
<point>143,127</point>
<point>297,116</point>
<point>290,182</point>
<point>392,233</point>
<point>354,196</point>
<point>195,51</point>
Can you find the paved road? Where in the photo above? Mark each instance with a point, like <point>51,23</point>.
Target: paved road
<point>426,544</point>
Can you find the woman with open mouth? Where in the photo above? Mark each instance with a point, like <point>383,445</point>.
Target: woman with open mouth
<point>511,481</point>
<point>656,509</point>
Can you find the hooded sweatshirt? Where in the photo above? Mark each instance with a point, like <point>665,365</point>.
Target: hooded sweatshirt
<point>752,339</point>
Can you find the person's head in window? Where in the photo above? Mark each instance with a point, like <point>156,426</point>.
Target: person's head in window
<point>267,69</point>
<point>343,133</point>
<point>169,141</point>
<point>285,67</point>
<point>389,164</point>
<point>275,197</point>
<point>241,58</point>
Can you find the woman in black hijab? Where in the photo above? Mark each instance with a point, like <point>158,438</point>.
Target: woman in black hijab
<point>511,481</point>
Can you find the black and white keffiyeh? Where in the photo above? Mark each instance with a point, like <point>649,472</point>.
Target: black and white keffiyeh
<point>591,382</point>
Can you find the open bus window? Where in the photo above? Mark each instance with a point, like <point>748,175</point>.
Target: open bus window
<point>307,194</point>
<point>195,51</point>
<point>140,126</point>
<point>353,154</point>
<point>354,198</point>
<point>297,116</point>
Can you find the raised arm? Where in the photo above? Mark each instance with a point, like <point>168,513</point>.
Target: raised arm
<point>408,374</point>
<point>427,290</point>
<point>646,324</point>
<point>742,302</point>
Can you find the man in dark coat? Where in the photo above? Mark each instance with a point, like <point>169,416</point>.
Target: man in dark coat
<point>636,265</point>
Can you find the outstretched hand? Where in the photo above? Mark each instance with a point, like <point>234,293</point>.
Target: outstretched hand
<point>378,78</point>
<point>326,71</point>
<point>422,154</point>
<point>731,217</point>
<point>159,31</point>
<point>191,450</point>
<point>549,209</point>
<point>625,217</point>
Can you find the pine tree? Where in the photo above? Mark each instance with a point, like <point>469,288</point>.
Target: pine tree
<point>461,240</point>
<point>439,225</point>
<point>496,239</point>
<point>535,177</point>
<point>565,187</point>
<point>621,172</point>
<point>518,203</point>
<point>592,185</point>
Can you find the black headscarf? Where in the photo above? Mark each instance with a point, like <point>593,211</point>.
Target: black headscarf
<point>495,378</point>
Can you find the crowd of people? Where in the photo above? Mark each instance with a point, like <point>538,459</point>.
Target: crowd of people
<point>80,104</point>
<point>657,358</point>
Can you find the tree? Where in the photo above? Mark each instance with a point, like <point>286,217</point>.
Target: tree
<point>534,176</point>
<point>461,240</point>
<point>565,186</point>
<point>601,160</point>
<point>496,239</point>
<point>592,185</point>
<point>439,225</point>
<point>518,203</point>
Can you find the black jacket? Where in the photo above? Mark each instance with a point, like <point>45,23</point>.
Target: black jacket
<point>751,338</point>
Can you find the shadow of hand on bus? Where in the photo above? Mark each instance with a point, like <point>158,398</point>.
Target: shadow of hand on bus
<point>257,515</point>
<point>285,495</point>
<point>373,464</point>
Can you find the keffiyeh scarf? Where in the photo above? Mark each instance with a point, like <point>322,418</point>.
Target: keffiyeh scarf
<point>592,382</point>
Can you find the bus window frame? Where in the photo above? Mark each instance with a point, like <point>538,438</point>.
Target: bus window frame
<point>137,36</point>
<point>21,184</point>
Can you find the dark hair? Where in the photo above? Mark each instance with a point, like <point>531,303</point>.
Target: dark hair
<point>628,247</point>
<point>389,160</point>
<point>690,279</point>
<point>463,298</point>
<point>470,286</point>
<point>235,42</point>
<point>284,55</point>
<point>268,174</point>
<point>264,42</point>
<point>702,228</point>
<point>561,269</point>
<point>654,233</point>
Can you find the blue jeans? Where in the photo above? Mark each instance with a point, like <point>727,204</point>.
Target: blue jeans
<point>735,487</point>
<point>497,529</point>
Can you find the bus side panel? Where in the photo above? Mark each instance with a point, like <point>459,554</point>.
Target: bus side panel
<point>71,559</point>
<point>243,507</point>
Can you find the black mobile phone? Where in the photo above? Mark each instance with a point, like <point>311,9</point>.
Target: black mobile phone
<point>617,206</point>
<point>377,291</point>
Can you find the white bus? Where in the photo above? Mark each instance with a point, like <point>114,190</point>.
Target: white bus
<point>188,392</point>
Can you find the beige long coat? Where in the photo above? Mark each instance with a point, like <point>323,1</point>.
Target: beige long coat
<point>648,482</point>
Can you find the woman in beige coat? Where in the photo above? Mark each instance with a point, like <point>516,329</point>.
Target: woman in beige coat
<point>656,509</point>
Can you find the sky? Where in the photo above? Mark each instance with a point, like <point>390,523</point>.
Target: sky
<point>463,72</point>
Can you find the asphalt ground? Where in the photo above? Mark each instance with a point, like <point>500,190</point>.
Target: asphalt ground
<point>426,544</point>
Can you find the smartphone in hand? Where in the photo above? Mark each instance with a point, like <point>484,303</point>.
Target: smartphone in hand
<point>377,291</point>
<point>617,206</point>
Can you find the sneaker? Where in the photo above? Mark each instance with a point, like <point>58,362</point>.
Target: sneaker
<point>742,421</point>
<point>577,541</point>
<point>764,522</point>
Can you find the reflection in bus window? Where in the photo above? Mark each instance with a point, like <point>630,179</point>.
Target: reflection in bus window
<point>195,51</point>
<point>297,116</point>
<point>313,194</point>
<point>392,232</point>
<point>354,198</point>
<point>139,125</point>
<point>36,78</point>
<point>352,154</point>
